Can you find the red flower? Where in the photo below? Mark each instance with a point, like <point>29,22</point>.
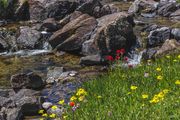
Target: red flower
<point>71,104</point>
<point>126,58</point>
<point>121,51</point>
<point>110,58</point>
<point>117,57</point>
<point>130,66</point>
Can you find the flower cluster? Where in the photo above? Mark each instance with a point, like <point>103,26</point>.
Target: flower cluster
<point>159,97</point>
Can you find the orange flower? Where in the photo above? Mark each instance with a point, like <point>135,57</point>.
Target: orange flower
<point>71,104</point>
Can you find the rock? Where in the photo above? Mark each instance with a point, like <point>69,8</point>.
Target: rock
<point>71,37</point>
<point>113,32</point>
<point>175,15</point>
<point>25,102</point>
<point>5,92</point>
<point>50,25</point>
<point>29,38</point>
<point>3,45</point>
<point>96,9</point>
<point>167,47</point>
<point>175,33</point>
<point>91,60</point>
<point>158,36</point>
<point>58,111</point>
<point>149,53</point>
<point>47,105</point>
<point>42,9</point>
<point>30,80</point>
<point>150,28</point>
<point>55,73</point>
<point>89,48</point>
<point>146,7</point>
<point>167,9</point>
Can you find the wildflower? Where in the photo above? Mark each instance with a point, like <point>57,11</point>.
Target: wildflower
<point>41,119</point>
<point>130,66</point>
<point>158,69</point>
<point>41,111</point>
<point>177,82</point>
<point>54,107</point>
<point>81,92</point>
<point>81,98</point>
<point>129,93</point>
<point>154,101</point>
<point>117,57</point>
<point>61,102</point>
<point>160,95</point>
<point>73,98</point>
<point>145,96</point>
<point>65,117</point>
<point>179,56</point>
<point>125,58</point>
<point>118,51</point>
<point>165,91</point>
<point>159,77</point>
<point>146,74</point>
<point>174,60</point>
<point>133,87</point>
<point>71,104</point>
<point>148,61</point>
<point>99,97</point>
<point>52,115</point>
<point>45,115</point>
<point>110,58</point>
<point>167,56</point>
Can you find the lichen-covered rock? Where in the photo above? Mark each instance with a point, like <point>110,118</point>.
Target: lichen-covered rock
<point>175,15</point>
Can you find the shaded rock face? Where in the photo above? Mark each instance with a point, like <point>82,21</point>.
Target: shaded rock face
<point>167,9</point>
<point>42,9</point>
<point>30,80</point>
<point>29,38</point>
<point>25,102</point>
<point>158,36</point>
<point>114,32</point>
<point>71,37</point>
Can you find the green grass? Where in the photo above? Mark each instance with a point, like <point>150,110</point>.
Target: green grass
<point>117,104</point>
<point>4,3</point>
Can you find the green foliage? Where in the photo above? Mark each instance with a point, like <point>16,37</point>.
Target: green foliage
<point>4,3</point>
<point>120,102</point>
<point>178,1</point>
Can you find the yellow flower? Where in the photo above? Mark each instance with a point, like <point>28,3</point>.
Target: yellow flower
<point>160,95</point>
<point>129,93</point>
<point>54,107</point>
<point>158,69</point>
<point>73,98</point>
<point>99,97</point>
<point>61,102</point>
<point>165,91</point>
<point>41,111</point>
<point>177,82</point>
<point>41,119</point>
<point>52,115</point>
<point>65,117</point>
<point>154,101</point>
<point>167,56</point>
<point>81,91</point>
<point>133,87</point>
<point>45,115</point>
<point>148,60</point>
<point>81,98</point>
<point>179,56</point>
<point>174,60</point>
<point>145,96</point>
<point>159,77</point>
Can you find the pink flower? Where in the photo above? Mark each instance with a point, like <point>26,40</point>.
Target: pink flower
<point>121,51</point>
<point>130,66</point>
<point>126,58</point>
<point>117,57</point>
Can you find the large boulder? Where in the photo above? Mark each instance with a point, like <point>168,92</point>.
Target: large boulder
<point>42,9</point>
<point>71,37</point>
<point>113,32</point>
<point>29,38</point>
<point>175,33</point>
<point>30,80</point>
<point>158,36</point>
